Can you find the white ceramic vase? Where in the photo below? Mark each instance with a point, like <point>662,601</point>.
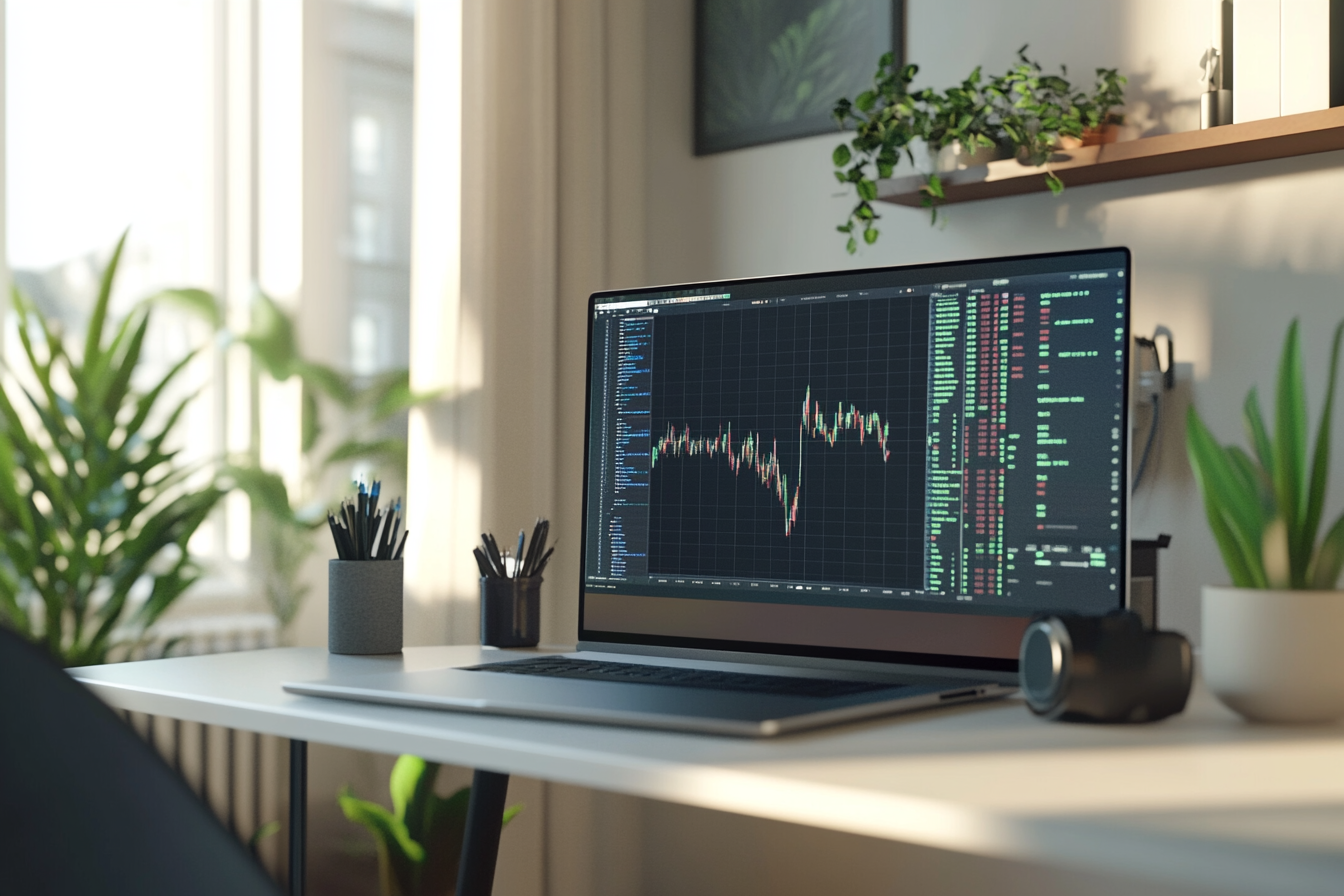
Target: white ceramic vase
<point>953,158</point>
<point>1275,656</point>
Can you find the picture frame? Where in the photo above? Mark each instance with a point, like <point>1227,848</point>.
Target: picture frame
<point>772,70</point>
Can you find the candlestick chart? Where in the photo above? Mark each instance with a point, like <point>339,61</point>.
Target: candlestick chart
<point>764,464</point>
<point>790,443</point>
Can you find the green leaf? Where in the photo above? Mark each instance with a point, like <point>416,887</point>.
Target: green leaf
<point>840,158</point>
<point>330,382</point>
<point>93,339</point>
<point>266,490</point>
<point>1320,464</point>
<point>867,190</point>
<point>870,235</point>
<point>199,302</point>
<point>1256,433</point>
<point>310,420</point>
<point>388,830</point>
<point>1329,559</point>
<point>271,338</point>
<point>933,186</point>
<point>1234,512</point>
<point>392,450</point>
<point>851,246</point>
<point>1290,449</point>
<point>407,782</point>
<point>269,829</point>
<point>1054,183</point>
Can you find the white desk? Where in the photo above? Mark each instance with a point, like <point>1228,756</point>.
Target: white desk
<point>1201,800</point>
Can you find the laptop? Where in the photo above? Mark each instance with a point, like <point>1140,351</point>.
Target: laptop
<point>823,497</point>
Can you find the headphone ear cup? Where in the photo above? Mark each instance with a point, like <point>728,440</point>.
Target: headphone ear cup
<point>1045,663</point>
<point>1103,669</point>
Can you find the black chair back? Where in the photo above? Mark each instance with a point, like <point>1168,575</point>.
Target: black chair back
<point>87,808</point>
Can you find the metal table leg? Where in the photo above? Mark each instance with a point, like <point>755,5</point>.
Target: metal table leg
<point>298,813</point>
<point>480,846</point>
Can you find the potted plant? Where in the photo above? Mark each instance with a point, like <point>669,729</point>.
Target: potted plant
<point>419,841</point>
<point>1026,111</point>
<point>1101,123</point>
<point>1036,111</point>
<point>1271,645</point>
<point>96,507</point>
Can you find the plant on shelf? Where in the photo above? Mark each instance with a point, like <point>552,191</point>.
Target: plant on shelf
<point>96,509</point>
<point>1098,111</point>
<point>1270,643</point>
<point>419,841</point>
<point>1025,111</point>
<point>1036,110</point>
<point>1265,506</point>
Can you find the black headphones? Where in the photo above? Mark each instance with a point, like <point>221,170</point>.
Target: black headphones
<point>1103,669</point>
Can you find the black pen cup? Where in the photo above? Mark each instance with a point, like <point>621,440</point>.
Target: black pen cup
<point>364,599</point>
<point>511,612</point>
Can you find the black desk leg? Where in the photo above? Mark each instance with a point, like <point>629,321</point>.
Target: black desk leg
<point>480,846</point>
<point>298,813</point>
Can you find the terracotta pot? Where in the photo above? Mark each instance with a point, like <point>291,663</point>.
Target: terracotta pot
<point>1275,656</point>
<point>1107,133</point>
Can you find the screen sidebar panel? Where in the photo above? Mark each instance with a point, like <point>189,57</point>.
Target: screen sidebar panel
<point>900,464</point>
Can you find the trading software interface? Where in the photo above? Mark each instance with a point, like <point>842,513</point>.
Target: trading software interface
<point>866,444</point>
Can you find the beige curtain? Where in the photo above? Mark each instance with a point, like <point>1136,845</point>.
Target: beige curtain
<point>550,184</point>
<point>529,196</point>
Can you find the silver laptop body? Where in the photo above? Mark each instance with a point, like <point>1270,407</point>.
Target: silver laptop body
<point>818,498</point>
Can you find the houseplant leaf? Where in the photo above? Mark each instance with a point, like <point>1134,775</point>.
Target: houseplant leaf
<point>1290,452</point>
<point>103,506</point>
<point>1329,560</point>
<point>1320,462</point>
<point>1233,509</point>
<point>398,854</point>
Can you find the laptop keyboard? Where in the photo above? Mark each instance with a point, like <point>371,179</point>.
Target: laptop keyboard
<point>597,670</point>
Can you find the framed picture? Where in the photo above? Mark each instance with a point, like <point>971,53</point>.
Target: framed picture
<point>770,70</point>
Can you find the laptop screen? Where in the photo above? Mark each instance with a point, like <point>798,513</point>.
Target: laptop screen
<point>898,464</point>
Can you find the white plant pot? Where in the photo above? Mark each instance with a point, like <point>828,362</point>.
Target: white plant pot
<point>1275,656</point>
<point>951,157</point>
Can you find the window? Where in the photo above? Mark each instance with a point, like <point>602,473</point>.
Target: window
<point>191,123</point>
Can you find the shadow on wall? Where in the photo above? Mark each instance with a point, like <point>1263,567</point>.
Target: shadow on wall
<point>1154,110</point>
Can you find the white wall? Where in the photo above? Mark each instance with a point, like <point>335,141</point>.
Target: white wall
<point>1223,257</point>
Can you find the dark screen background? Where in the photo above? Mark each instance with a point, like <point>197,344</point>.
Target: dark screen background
<point>860,519</point>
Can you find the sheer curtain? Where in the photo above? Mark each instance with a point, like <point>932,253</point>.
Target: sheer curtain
<point>529,186</point>
<point>529,196</point>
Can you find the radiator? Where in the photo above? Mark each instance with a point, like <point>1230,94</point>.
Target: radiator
<point>240,775</point>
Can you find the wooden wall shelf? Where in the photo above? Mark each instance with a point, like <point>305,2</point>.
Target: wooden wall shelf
<point>1233,144</point>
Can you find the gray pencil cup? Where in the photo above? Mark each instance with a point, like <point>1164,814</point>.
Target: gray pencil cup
<point>511,612</point>
<point>364,606</point>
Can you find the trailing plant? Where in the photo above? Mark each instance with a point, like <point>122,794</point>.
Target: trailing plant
<point>887,118</point>
<point>419,840</point>
<point>1025,110</point>
<point>96,509</point>
<point>1265,506</point>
